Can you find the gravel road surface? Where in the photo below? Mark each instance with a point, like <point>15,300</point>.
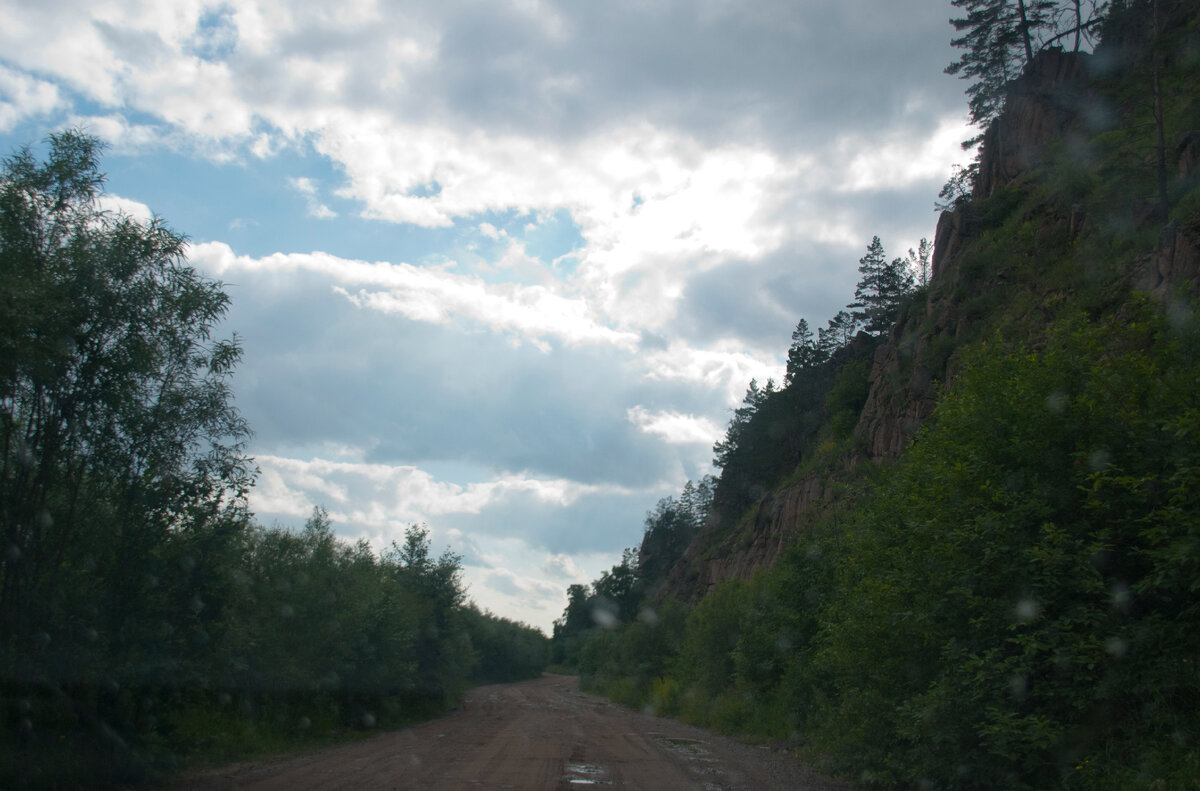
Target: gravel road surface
<point>541,734</point>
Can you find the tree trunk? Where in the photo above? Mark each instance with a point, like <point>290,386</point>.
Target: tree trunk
<point>1025,32</point>
<point>1163,208</point>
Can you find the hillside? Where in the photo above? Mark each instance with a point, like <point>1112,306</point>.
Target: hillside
<point>957,549</point>
<point>1061,217</point>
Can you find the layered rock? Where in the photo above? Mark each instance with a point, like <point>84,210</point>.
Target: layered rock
<point>776,518</point>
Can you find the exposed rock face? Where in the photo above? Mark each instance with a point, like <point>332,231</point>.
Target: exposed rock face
<point>777,517</point>
<point>902,396</point>
<point>953,229</point>
<point>1175,264</point>
<point>1189,156</point>
<point>1049,99</point>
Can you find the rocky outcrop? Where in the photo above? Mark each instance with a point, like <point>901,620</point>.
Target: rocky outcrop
<point>902,395</point>
<point>1174,264</point>
<point>1054,103</point>
<point>1189,157</point>
<point>1050,99</point>
<point>777,516</point>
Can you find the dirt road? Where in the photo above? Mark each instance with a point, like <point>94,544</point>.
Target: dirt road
<point>542,734</point>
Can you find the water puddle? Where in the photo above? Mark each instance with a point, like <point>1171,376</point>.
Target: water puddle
<point>582,774</point>
<point>689,747</point>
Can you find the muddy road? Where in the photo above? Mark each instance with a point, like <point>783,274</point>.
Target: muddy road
<point>542,734</point>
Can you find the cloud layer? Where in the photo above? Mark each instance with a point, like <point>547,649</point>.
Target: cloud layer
<point>505,267</point>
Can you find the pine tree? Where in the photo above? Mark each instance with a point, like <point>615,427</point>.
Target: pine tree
<point>882,289</point>
<point>918,262</point>
<point>999,38</point>
<point>804,352</point>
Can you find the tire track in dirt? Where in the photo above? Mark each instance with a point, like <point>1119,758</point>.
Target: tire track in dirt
<point>541,735</point>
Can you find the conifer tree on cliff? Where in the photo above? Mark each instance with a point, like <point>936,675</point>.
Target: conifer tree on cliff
<point>999,38</point>
<point>998,41</point>
<point>881,291</point>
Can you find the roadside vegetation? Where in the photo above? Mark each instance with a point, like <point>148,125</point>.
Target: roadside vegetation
<point>147,622</point>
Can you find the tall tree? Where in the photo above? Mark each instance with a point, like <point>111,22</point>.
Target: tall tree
<point>804,352</point>
<point>918,262</point>
<point>881,290</point>
<point>118,438</point>
<point>998,39</point>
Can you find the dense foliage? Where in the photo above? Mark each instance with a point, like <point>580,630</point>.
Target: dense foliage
<point>1011,606</point>
<point>145,619</point>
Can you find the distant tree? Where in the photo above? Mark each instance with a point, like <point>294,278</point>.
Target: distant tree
<point>725,449</point>
<point>804,352</point>
<point>918,262</point>
<point>957,189</point>
<point>575,617</point>
<point>881,290</point>
<point>696,500</point>
<point>617,593</point>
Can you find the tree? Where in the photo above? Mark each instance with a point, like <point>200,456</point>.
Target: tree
<point>804,352</point>
<point>734,435</point>
<point>1000,38</point>
<point>881,290</point>
<point>918,262</point>
<point>957,189</point>
<point>121,450</point>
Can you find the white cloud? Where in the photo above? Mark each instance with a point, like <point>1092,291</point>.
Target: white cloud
<point>130,208</point>
<point>724,366</point>
<point>384,495</point>
<point>534,313</point>
<point>674,427</point>
<point>510,584</point>
<point>698,206</point>
<point>563,566</point>
<point>308,188</point>
<point>23,96</point>
<point>900,159</point>
<point>120,133</point>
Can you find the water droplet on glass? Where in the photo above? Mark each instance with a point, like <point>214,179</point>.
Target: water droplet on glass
<point>1056,402</point>
<point>1027,609</point>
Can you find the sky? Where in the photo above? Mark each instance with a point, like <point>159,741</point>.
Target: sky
<point>503,269</point>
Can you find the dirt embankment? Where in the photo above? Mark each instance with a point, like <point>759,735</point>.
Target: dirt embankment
<point>542,734</point>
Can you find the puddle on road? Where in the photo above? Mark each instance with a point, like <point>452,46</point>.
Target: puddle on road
<point>585,775</point>
<point>693,748</point>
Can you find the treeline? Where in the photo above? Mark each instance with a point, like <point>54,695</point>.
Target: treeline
<point>145,619</point>
<point>775,432</point>
<point>778,430</point>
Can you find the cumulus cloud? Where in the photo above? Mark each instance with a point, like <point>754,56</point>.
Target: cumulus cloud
<point>724,366</point>
<point>676,428</point>
<point>133,209</point>
<point>535,313</point>
<point>510,584</point>
<point>562,566</point>
<point>382,495</point>
<point>714,170</point>
<point>23,96</point>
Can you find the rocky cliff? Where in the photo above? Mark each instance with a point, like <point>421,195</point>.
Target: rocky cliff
<point>1055,107</point>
